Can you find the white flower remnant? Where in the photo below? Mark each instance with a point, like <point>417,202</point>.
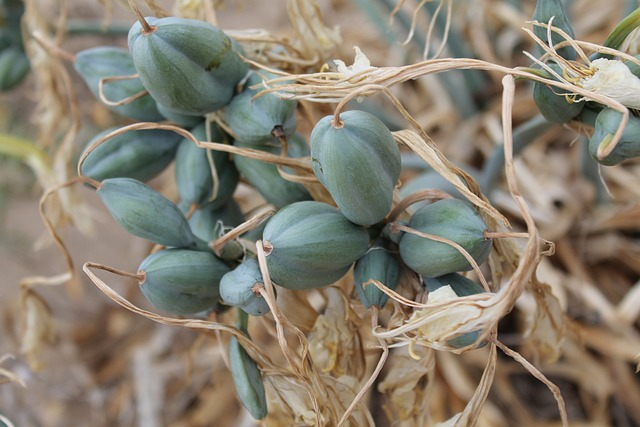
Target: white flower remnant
<point>360,63</point>
<point>441,325</point>
<point>613,79</point>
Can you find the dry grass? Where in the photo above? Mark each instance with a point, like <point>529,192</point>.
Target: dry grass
<point>560,319</point>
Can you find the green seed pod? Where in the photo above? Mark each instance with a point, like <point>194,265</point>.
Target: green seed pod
<point>311,244</point>
<point>138,154</point>
<point>181,281</point>
<point>265,177</point>
<point>462,287</point>
<point>633,67</point>
<point>208,221</point>
<point>237,288</point>
<point>247,380</point>
<point>431,179</point>
<point>193,170</point>
<point>260,120</point>
<point>378,264</point>
<point>101,62</point>
<point>552,104</point>
<point>146,213</point>
<point>359,163</point>
<point>606,125</point>
<point>11,13</point>
<point>182,120</point>
<point>189,66</point>
<point>452,219</point>
<point>14,67</point>
<point>544,11</point>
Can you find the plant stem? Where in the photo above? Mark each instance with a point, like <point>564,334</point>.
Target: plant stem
<point>523,135</point>
<point>243,321</point>
<point>454,82</point>
<point>25,151</point>
<point>378,19</point>
<point>590,170</point>
<point>458,48</point>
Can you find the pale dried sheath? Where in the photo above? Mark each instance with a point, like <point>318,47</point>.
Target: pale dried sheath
<point>613,79</point>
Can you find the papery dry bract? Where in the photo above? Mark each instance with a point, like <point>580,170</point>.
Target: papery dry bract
<point>613,79</point>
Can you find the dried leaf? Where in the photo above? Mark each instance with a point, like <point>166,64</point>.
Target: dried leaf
<point>38,328</point>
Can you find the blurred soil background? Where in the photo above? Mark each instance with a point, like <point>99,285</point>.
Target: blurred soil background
<point>104,366</point>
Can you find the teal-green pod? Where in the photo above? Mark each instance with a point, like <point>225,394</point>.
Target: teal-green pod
<point>265,177</point>
<point>247,380</point>
<point>432,180</point>
<point>208,221</point>
<point>260,120</point>
<point>552,104</point>
<point>101,62</point>
<point>194,174</point>
<point>633,67</point>
<point>236,288</point>
<point>546,10</point>
<point>311,244</point>
<point>606,126</point>
<point>182,120</point>
<point>462,287</point>
<point>358,162</point>
<point>145,213</point>
<point>377,264</point>
<point>181,281</point>
<point>452,219</point>
<point>138,154</point>
<point>187,65</point>
<point>14,67</point>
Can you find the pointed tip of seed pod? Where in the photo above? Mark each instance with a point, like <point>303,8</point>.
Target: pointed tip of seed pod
<point>336,122</point>
<point>278,132</point>
<point>146,28</point>
<point>142,277</point>
<point>255,289</point>
<point>267,246</point>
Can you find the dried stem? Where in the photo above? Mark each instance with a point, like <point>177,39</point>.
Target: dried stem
<point>218,244</point>
<point>127,100</point>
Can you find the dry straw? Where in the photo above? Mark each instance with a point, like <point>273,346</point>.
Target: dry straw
<point>302,390</point>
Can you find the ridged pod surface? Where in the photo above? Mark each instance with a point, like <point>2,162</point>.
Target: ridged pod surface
<point>100,62</point>
<point>187,65</point>
<point>546,10</point>
<point>552,103</point>
<point>462,287</point>
<point>359,163</point>
<point>247,380</point>
<point>181,120</point>
<point>193,171</point>
<point>145,213</point>
<point>138,154</point>
<point>254,121</point>
<point>606,125</point>
<point>181,281</point>
<point>378,264</point>
<point>265,176</point>
<point>452,219</point>
<point>236,288</point>
<point>311,244</point>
